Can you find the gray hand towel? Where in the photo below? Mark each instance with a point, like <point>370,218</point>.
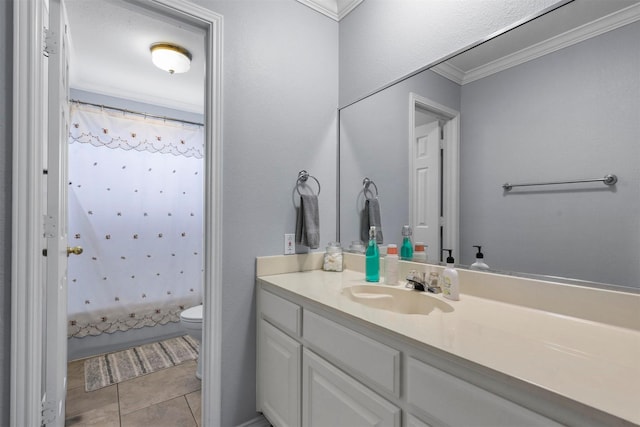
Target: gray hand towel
<point>369,216</point>
<point>364,223</point>
<point>308,222</point>
<point>374,218</point>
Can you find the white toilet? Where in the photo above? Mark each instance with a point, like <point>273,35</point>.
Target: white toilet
<point>191,321</point>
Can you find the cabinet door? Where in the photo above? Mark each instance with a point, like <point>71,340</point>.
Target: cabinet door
<point>278,376</point>
<point>332,399</point>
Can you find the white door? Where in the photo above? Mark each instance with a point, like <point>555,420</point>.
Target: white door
<point>55,354</point>
<point>279,380</point>
<point>425,201</point>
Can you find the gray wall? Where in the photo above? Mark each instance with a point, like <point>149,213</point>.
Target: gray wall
<point>6,61</point>
<point>568,115</point>
<point>383,40</point>
<point>280,98</point>
<point>374,143</point>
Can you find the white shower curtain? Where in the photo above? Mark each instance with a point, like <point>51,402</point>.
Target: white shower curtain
<point>136,208</point>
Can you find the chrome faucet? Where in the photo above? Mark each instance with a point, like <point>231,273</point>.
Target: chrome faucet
<point>423,282</point>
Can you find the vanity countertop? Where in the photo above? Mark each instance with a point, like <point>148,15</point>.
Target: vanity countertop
<point>593,363</point>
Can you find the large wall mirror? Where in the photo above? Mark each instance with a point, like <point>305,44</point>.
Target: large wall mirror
<point>556,99</point>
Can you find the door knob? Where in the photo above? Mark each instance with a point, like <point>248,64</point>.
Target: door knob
<point>76,250</point>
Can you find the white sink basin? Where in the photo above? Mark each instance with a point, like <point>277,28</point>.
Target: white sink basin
<point>396,299</point>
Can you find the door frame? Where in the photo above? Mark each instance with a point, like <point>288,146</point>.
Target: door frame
<point>450,164</point>
<point>28,284</point>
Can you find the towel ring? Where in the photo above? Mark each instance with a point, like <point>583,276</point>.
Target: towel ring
<point>365,184</point>
<point>303,176</point>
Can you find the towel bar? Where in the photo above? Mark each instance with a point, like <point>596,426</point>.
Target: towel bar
<point>303,176</point>
<point>608,180</point>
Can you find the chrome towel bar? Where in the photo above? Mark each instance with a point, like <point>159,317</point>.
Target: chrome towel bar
<point>608,180</point>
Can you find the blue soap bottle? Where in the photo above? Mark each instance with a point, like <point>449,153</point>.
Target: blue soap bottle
<point>406,249</point>
<point>372,260</point>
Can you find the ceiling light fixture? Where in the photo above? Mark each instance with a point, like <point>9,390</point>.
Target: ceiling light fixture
<point>170,57</point>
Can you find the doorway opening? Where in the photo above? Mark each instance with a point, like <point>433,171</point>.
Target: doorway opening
<point>433,175</point>
<point>29,348</point>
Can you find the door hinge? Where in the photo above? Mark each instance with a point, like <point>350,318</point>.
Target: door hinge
<point>49,411</point>
<point>442,221</point>
<point>50,43</point>
<point>49,226</point>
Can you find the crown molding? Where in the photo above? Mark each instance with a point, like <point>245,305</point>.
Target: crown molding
<point>334,9</point>
<point>599,26</point>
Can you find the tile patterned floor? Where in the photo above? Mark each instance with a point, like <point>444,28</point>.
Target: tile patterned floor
<point>169,397</point>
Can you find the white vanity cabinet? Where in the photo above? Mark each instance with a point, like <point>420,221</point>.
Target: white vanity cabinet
<point>317,368</point>
<point>279,358</point>
<point>297,387</point>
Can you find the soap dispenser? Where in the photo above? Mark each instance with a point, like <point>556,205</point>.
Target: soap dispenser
<point>450,285</point>
<point>479,264</point>
<point>406,250</point>
<point>372,258</point>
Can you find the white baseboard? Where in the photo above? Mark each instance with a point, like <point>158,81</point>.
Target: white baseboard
<point>259,421</point>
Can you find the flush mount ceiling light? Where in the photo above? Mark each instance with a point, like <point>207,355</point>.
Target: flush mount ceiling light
<point>170,57</point>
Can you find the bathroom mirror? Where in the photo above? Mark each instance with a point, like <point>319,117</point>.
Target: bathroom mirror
<point>555,99</point>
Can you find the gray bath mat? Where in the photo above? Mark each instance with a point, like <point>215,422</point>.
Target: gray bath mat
<point>107,369</point>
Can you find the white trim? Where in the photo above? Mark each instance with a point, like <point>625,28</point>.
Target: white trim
<point>451,176</point>
<point>451,164</point>
<point>27,283</point>
<point>334,9</point>
<point>449,71</point>
<point>566,39</point>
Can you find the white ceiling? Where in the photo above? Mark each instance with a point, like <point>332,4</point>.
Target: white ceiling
<point>110,40</point>
<point>109,55</point>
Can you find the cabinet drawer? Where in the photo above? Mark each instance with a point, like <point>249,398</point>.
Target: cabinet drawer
<point>368,360</point>
<point>280,312</point>
<point>446,399</point>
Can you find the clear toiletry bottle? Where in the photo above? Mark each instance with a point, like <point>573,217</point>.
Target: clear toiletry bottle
<point>333,259</point>
<point>372,258</point>
<point>479,264</point>
<point>406,250</point>
<point>420,253</point>
<point>450,284</point>
<point>391,265</point>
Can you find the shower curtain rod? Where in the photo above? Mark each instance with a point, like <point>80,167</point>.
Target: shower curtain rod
<point>124,110</point>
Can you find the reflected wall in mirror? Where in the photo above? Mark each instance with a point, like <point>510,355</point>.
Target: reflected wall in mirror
<point>544,109</point>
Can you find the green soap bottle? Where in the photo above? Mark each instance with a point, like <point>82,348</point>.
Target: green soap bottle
<point>372,260</point>
<point>406,250</point>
